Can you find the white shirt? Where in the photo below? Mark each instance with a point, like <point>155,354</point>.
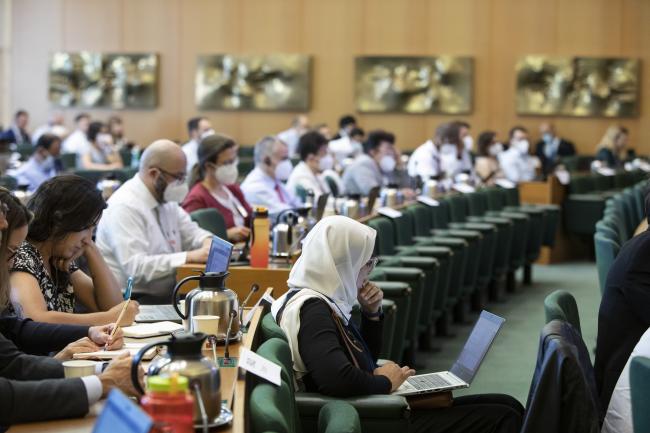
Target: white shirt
<point>515,166</point>
<point>343,148</point>
<point>140,237</point>
<point>260,190</point>
<point>290,137</point>
<point>619,412</point>
<point>303,176</point>
<point>76,142</point>
<point>424,161</point>
<point>191,149</point>
<point>58,130</point>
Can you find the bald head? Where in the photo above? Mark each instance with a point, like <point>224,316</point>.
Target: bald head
<point>163,154</point>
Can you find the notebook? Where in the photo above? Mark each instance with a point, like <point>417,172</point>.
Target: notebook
<point>129,349</point>
<point>146,330</point>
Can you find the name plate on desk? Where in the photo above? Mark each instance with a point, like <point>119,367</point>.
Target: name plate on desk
<point>428,201</point>
<point>505,183</point>
<point>389,212</point>
<point>464,188</point>
<point>259,366</point>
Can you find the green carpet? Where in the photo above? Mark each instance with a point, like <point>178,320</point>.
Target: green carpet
<point>508,367</point>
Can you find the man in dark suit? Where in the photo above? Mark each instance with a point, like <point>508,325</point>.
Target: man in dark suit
<point>624,311</point>
<point>551,148</point>
<point>32,388</point>
<point>18,132</point>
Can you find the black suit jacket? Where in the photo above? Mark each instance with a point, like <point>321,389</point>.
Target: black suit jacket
<point>566,148</point>
<point>37,338</point>
<point>624,313</point>
<point>32,388</point>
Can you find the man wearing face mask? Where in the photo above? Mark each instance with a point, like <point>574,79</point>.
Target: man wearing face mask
<point>517,164</point>
<point>42,165</point>
<point>314,160</point>
<point>264,185</point>
<point>551,148</point>
<point>467,141</point>
<point>145,233</point>
<point>371,167</point>
<point>440,156</point>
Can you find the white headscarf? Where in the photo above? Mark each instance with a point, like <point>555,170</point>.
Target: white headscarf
<point>333,253</point>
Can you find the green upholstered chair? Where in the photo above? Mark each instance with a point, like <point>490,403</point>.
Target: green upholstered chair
<point>606,252</point>
<point>389,309</point>
<point>9,182</point>
<point>561,305</point>
<point>377,413</point>
<point>640,393</point>
<point>69,161</point>
<point>211,220</point>
<point>270,329</point>
<point>95,175</point>
<point>301,193</point>
<point>333,186</point>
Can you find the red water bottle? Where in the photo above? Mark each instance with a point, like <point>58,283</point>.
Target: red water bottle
<point>169,403</point>
<point>260,238</point>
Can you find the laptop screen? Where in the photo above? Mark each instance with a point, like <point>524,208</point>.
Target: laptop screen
<point>477,345</point>
<point>219,256</point>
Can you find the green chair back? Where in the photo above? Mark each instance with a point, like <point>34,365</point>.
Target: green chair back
<point>211,220</point>
<point>458,208</point>
<point>334,188</point>
<point>422,217</point>
<point>94,175</point>
<point>561,305</point>
<point>69,161</point>
<point>385,241</point>
<point>25,151</point>
<point>301,193</point>
<point>9,182</point>
<point>640,393</point>
<point>277,350</point>
<point>606,252</point>
<point>126,156</point>
<point>272,408</point>
<point>270,329</point>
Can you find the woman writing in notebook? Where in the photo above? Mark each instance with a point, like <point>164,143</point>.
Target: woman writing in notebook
<point>45,279</point>
<point>333,357</point>
<point>33,388</point>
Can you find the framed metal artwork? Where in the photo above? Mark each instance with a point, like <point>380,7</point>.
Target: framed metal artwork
<point>270,82</point>
<point>103,80</point>
<point>414,85</point>
<point>577,86</point>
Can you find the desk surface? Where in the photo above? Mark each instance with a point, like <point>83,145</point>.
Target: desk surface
<point>233,388</point>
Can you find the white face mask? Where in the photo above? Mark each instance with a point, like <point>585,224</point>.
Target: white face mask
<point>495,149</point>
<point>326,163</point>
<point>227,174</point>
<point>522,146</point>
<point>468,141</point>
<point>283,170</point>
<point>105,139</point>
<point>387,164</point>
<point>175,192</point>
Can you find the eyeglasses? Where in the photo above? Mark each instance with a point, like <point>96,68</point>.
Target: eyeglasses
<point>372,263</point>
<point>179,177</point>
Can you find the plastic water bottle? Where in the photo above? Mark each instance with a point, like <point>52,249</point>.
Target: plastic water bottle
<point>169,404</point>
<point>260,239</point>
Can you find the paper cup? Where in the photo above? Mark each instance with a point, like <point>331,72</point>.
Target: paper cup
<point>78,368</point>
<point>209,325</point>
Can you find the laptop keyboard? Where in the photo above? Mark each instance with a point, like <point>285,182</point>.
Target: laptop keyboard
<point>428,381</point>
<point>157,313</point>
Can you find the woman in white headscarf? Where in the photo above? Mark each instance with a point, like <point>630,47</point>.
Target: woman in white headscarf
<point>333,357</point>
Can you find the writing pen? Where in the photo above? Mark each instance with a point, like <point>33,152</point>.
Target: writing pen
<point>127,298</point>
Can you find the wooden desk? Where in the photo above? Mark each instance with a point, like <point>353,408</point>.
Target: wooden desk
<point>234,389</point>
<point>241,279</point>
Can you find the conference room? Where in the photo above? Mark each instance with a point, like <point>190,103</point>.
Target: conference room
<point>324,216</point>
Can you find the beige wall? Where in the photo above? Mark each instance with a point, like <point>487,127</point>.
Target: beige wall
<point>494,32</point>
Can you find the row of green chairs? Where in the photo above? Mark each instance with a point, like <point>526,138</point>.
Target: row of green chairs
<point>585,204</point>
<point>622,215</point>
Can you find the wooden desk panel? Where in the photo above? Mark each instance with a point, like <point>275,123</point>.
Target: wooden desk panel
<point>241,279</point>
<point>233,388</point>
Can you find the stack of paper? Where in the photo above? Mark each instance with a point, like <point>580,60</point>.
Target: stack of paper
<point>146,330</point>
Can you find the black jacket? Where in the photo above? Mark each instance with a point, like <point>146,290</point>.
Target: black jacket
<point>624,313</point>
<point>566,148</point>
<point>32,388</point>
<point>560,398</point>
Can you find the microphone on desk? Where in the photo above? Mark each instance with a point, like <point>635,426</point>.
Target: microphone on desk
<point>233,314</point>
<point>254,288</point>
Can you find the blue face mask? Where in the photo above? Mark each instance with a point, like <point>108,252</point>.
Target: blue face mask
<point>547,137</point>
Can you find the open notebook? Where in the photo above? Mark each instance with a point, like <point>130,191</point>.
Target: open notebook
<point>129,348</point>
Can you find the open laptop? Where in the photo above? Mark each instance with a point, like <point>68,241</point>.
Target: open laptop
<point>218,261</point>
<point>464,370</point>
